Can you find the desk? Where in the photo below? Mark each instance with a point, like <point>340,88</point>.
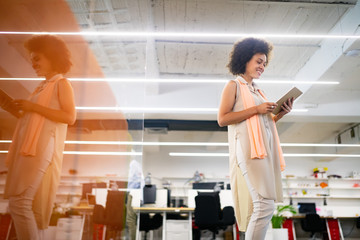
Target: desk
<point>86,211</point>
<point>164,211</point>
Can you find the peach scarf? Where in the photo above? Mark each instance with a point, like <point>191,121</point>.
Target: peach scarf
<point>36,121</point>
<point>258,150</point>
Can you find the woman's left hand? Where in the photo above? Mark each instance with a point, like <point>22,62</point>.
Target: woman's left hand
<point>24,105</point>
<point>286,108</point>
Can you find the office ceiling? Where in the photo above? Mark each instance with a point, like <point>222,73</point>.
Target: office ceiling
<point>330,108</point>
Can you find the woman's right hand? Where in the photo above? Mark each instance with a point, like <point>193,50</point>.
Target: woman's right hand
<point>266,107</point>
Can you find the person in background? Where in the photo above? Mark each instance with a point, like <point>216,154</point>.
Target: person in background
<point>256,159</point>
<point>35,156</point>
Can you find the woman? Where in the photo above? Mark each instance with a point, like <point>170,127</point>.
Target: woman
<point>255,154</point>
<point>35,155</point>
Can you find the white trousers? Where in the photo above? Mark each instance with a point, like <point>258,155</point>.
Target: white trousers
<point>263,209</point>
<point>20,206</point>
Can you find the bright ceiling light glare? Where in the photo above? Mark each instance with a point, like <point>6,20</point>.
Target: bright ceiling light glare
<point>187,154</point>
<point>318,145</point>
<point>191,35</point>
<point>184,154</point>
<point>103,153</point>
<point>160,110</point>
<point>178,80</point>
<point>321,155</point>
<point>214,144</point>
<point>91,153</point>
<point>266,81</point>
<point>148,143</point>
<point>150,109</point>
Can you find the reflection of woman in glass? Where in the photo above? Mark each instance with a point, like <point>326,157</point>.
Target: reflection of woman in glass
<point>35,155</point>
<point>255,154</point>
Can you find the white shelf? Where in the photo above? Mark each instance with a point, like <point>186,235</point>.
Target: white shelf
<point>322,197</point>
<point>304,197</point>
<point>346,179</point>
<point>344,196</point>
<point>305,178</point>
<point>313,188</point>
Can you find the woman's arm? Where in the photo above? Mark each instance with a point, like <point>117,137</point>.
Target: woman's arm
<point>227,117</point>
<point>67,113</point>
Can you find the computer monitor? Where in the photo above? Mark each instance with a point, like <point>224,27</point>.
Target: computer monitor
<point>87,188</point>
<point>119,184</point>
<point>207,185</point>
<point>149,194</point>
<point>307,207</point>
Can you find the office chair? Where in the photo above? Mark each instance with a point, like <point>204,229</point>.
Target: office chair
<point>148,223</point>
<point>208,213</point>
<point>114,214</point>
<point>313,223</point>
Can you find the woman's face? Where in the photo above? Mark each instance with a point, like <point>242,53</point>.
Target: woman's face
<point>41,64</point>
<point>256,66</point>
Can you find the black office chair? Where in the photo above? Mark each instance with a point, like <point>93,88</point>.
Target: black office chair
<point>148,223</point>
<point>313,223</point>
<point>208,213</point>
<point>114,214</point>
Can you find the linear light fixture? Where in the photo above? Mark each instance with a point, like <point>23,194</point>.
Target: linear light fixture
<point>136,143</point>
<point>215,144</point>
<point>161,110</point>
<point>317,145</point>
<point>148,109</point>
<point>191,35</point>
<point>177,80</point>
<point>96,153</point>
<point>186,154</point>
<point>321,155</point>
<point>103,153</point>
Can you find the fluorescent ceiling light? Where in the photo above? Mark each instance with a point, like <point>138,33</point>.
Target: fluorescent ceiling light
<point>177,80</point>
<point>265,81</point>
<point>320,155</point>
<point>317,145</point>
<point>215,144</point>
<point>148,143</point>
<point>187,154</point>
<point>183,154</point>
<point>161,110</point>
<point>103,153</point>
<point>96,153</point>
<point>148,109</point>
<point>191,35</point>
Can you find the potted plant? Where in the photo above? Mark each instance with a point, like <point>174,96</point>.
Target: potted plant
<point>278,219</point>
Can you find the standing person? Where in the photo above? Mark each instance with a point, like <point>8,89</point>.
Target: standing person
<point>35,156</point>
<point>256,157</point>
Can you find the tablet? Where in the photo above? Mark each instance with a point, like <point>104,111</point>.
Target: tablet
<point>11,108</point>
<point>294,92</point>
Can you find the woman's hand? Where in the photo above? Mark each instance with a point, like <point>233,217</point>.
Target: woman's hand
<point>266,107</point>
<point>24,105</point>
<point>285,108</point>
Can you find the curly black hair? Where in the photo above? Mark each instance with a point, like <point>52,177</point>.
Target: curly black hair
<point>244,50</point>
<point>54,49</point>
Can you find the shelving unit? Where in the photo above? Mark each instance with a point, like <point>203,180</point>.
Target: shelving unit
<point>337,188</point>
